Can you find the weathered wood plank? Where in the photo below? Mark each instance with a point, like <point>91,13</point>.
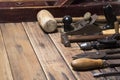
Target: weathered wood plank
<point>5,71</point>
<point>67,53</point>
<point>52,62</point>
<point>23,61</point>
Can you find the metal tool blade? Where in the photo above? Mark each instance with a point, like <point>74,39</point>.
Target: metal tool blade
<point>83,27</point>
<point>92,55</point>
<point>86,30</point>
<point>106,74</point>
<point>112,51</point>
<point>111,63</point>
<point>108,54</point>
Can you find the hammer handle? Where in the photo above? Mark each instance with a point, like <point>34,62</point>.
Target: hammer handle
<point>87,64</point>
<point>100,18</point>
<point>77,38</point>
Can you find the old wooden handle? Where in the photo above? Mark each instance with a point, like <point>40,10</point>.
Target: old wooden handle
<point>112,31</point>
<point>100,18</point>
<point>109,31</point>
<point>46,21</point>
<point>86,64</point>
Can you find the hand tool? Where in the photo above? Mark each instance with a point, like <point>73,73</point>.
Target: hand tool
<point>83,27</point>
<point>46,21</point>
<point>106,74</point>
<point>82,38</point>
<point>67,39</point>
<point>101,54</point>
<point>110,16</point>
<point>84,32</point>
<point>108,42</point>
<point>111,42</point>
<point>97,45</point>
<point>67,20</point>
<point>84,64</point>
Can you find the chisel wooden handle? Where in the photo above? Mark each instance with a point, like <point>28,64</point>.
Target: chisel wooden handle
<point>86,64</point>
<point>46,21</point>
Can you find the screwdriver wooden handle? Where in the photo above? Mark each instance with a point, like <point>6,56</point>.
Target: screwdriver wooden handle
<point>46,21</point>
<point>86,64</point>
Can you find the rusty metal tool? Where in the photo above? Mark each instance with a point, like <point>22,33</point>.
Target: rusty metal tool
<point>108,42</point>
<point>111,42</point>
<point>85,64</point>
<point>85,30</point>
<point>97,45</point>
<point>82,27</point>
<point>101,54</point>
<point>106,74</point>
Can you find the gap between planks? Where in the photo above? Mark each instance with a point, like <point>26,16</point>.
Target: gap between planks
<point>67,53</point>
<point>5,70</point>
<point>23,61</point>
<point>51,61</point>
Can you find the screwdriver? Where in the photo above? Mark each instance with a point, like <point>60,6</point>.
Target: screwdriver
<point>84,64</point>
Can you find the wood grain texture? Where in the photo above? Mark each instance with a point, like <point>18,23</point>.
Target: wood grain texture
<point>23,61</point>
<point>67,54</point>
<point>52,62</point>
<point>5,71</point>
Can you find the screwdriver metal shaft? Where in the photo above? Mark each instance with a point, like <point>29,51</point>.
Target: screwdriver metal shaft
<point>106,74</point>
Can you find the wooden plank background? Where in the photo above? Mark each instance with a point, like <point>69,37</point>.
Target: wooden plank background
<point>27,53</point>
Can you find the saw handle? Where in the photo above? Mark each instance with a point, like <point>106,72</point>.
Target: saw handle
<point>46,21</point>
<point>82,64</point>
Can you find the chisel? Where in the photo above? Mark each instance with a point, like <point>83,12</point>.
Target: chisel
<point>84,64</point>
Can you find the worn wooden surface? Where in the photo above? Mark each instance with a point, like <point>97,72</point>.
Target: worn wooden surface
<point>27,53</point>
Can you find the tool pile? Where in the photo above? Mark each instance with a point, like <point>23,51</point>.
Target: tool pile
<point>97,37</point>
<point>100,59</point>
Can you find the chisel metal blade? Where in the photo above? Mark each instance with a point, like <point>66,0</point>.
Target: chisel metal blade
<point>106,74</point>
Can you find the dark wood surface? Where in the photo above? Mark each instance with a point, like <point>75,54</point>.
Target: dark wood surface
<point>27,53</point>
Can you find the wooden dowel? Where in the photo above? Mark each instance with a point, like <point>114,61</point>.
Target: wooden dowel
<point>77,38</point>
<point>100,18</point>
